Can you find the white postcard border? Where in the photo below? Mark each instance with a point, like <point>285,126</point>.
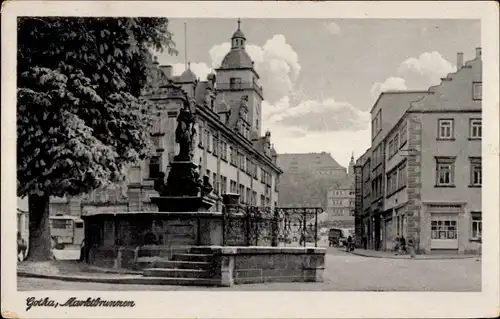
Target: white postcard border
<point>236,304</point>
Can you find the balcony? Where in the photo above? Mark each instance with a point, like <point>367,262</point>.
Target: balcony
<point>236,86</point>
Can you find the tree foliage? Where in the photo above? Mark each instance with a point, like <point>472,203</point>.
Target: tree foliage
<point>80,116</point>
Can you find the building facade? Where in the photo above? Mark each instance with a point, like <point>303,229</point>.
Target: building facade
<point>319,164</point>
<point>430,166</point>
<point>362,203</point>
<point>341,201</point>
<point>230,148</point>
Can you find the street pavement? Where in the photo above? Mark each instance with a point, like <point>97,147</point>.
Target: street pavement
<point>343,272</point>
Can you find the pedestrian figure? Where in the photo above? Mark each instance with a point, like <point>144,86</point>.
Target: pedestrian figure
<point>396,245</point>
<point>21,247</point>
<point>349,243</point>
<point>411,248</point>
<point>402,243</point>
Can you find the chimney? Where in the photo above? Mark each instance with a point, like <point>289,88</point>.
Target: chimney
<point>460,60</point>
<point>167,70</point>
<point>478,52</point>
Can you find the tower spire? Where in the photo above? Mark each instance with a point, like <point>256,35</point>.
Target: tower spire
<point>239,23</point>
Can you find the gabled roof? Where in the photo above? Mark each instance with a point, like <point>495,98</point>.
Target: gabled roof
<point>316,160</point>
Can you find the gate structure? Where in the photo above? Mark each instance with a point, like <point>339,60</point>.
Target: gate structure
<point>266,226</point>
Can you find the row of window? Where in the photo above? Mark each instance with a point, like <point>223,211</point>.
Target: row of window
<point>396,179</point>
<point>398,140</point>
<point>445,171</point>
<point>377,124</point>
<point>342,212</point>
<point>237,159</point>
<point>378,155</point>
<point>446,227</point>
<point>446,129</point>
<point>247,196</point>
<point>343,193</point>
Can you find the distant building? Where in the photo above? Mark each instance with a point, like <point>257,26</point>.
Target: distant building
<point>307,178</point>
<point>341,200</point>
<point>230,148</point>
<point>362,202</point>
<point>320,164</point>
<point>425,165</point>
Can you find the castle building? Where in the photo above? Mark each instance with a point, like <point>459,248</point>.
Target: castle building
<point>307,177</point>
<point>230,148</point>
<point>424,166</point>
<point>319,164</point>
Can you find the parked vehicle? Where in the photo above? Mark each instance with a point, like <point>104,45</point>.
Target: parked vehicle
<point>66,230</point>
<point>334,237</point>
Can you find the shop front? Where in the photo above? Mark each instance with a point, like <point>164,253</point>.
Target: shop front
<point>444,231</point>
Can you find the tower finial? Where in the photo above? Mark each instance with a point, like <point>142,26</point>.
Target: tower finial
<point>189,65</point>
<point>239,23</point>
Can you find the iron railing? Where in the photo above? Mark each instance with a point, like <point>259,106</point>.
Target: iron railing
<point>266,226</point>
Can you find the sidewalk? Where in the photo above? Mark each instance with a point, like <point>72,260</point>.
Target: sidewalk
<point>392,255</point>
<point>80,272</point>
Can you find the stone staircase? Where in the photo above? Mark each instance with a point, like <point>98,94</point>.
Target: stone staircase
<point>191,266</point>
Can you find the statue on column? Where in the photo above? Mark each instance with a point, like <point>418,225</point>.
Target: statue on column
<point>185,133</point>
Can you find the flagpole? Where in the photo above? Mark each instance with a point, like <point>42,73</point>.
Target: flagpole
<point>185,45</point>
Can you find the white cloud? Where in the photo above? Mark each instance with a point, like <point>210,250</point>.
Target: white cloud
<point>429,64</point>
<point>200,69</point>
<point>417,73</point>
<point>332,27</point>
<point>340,144</point>
<point>276,62</point>
<point>390,84</point>
<point>316,116</point>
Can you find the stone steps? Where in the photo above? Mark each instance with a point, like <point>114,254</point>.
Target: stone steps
<point>192,257</point>
<point>192,266</point>
<point>178,273</point>
<point>171,264</point>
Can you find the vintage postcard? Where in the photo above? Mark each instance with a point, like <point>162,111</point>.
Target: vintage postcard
<point>250,159</point>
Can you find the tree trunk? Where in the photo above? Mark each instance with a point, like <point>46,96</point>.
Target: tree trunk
<point>39,248</point>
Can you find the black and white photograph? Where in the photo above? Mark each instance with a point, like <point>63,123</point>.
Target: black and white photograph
<point>190,153</point>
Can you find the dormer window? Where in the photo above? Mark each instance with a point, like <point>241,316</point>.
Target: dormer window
<point>235,83</point>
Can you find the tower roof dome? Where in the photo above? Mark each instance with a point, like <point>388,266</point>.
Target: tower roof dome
<point>237,57</point>
<point>188,75</point>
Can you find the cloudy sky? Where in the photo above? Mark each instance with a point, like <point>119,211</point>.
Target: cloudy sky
<point>321,77</point>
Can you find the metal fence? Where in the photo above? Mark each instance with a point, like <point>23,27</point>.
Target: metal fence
<point>266,226</point>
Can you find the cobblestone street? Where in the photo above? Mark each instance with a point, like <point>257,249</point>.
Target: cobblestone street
<point>344,272</point>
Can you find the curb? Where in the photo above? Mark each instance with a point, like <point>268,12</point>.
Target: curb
<point>160,281</point>
<point>416,258</point>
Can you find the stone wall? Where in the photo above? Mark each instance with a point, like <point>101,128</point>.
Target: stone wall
<point>245,265</point>
<point>414,204</point>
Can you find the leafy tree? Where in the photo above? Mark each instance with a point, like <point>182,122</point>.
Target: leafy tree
<point>80,116</point>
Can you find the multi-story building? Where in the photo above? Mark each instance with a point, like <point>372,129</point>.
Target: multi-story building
<point>386,112</point>
<point>341,197</point>
<point>230,149</point>
<point>430,159</point>
<point>434,180</point>
<point>363,202</point>
<point>320,164</point>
